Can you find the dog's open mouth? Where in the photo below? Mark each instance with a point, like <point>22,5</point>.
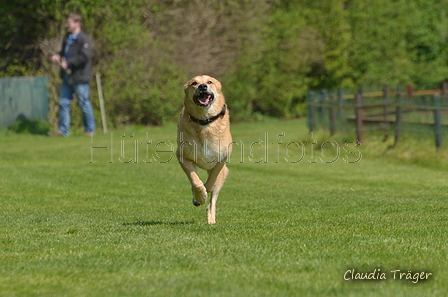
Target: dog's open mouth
<point>204,99</point>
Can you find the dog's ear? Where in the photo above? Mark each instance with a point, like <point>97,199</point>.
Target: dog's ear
<point>217,84</point>
<point>186,86</point>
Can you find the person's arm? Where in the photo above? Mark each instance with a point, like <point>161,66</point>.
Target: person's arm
<point>56,58</point>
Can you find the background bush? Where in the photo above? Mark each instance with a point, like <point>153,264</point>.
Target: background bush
<point>267,53</point>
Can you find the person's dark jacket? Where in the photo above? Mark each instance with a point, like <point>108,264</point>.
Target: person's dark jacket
<point>79,59</point>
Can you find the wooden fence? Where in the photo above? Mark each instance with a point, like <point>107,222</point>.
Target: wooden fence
<point>388,110</point>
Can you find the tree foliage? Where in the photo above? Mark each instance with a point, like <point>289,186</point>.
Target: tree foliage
<point>267,53</point>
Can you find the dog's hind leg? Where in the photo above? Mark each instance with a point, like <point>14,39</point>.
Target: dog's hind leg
<point>213,175</point>
<point>211,208</point>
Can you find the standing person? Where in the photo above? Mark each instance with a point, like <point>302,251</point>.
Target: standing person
<point>75,60</point>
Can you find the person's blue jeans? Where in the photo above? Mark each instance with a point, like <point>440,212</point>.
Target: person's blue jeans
<point>65,99</point>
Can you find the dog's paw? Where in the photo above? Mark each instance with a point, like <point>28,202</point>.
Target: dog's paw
<point>195,203</point>
<point>211,215</point>
<point>199,195</point>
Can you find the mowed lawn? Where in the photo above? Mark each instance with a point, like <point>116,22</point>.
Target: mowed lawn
<point>285,226</point>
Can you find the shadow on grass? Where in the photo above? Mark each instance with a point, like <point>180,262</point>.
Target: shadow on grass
<point>154,223</point>
<point>29,126</point>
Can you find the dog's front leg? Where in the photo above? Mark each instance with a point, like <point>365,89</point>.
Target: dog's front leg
<point>197,186</point>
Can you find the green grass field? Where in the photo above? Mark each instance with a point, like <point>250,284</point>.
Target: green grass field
<point>109,228</point>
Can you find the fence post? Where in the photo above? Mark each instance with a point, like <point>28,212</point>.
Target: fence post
<point>322,108</point>
<point>437,121</point>
<point>386,124</point>
<point>311,111</point>
<point>340,102</point>
<point>444,91</point>
<point>100,96</point>
<point>332,114</point>
<point>410,92</point>
<point>398,116</point>
<point>358,115</point>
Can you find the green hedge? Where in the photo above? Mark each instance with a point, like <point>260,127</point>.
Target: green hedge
<point>266,53</point>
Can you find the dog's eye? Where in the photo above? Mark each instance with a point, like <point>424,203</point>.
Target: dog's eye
<point>209,82</point>
<point>194,83</point>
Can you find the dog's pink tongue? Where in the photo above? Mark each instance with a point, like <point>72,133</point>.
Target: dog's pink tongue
<point>205,99</point>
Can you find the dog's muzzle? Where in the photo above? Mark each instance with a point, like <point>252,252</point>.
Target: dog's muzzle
<point>203,97</point>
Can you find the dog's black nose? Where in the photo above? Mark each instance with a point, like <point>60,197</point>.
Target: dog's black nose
<point>202,87</point>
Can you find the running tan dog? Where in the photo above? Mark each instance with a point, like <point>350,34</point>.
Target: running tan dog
<point>204,139</point>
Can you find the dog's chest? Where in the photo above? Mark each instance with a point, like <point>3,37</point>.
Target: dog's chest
<point>209,150</point>
<point>204,151</point>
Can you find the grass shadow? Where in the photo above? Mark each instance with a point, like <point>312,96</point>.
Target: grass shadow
<point>154,223</point>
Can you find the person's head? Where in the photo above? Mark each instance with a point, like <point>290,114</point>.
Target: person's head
<point>73,23</point>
